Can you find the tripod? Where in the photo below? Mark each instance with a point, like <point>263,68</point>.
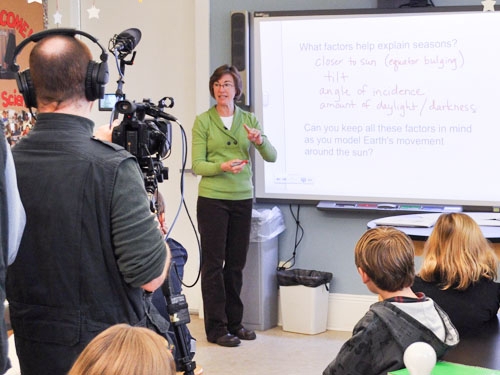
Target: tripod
<point>177,309</point>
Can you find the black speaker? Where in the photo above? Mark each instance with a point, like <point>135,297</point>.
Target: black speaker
<point>240,51</point>
<point>95,80</point>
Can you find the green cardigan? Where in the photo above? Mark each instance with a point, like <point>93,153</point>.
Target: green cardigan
<point>214,145</point>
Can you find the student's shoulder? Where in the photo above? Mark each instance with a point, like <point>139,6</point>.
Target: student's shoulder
<point>486,287</point>
<point>420,285</point>
<point>370,321</point>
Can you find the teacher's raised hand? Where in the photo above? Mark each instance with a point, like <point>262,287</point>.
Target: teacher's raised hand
<point>253,135</point>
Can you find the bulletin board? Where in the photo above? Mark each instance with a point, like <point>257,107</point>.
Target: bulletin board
<point>18,20</point>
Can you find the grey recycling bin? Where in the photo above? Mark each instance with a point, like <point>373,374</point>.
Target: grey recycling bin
<point>260,287</point>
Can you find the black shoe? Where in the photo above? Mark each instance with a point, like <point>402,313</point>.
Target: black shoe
<point>228,340</point>
<point>245,334</point>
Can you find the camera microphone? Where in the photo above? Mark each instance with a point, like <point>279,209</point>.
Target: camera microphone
<point>127,40</point>
<point>127,107</point>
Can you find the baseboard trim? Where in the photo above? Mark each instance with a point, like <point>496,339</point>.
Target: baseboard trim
<point>345,310</point>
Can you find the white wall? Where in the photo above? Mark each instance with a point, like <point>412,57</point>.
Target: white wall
<point>172,60</point>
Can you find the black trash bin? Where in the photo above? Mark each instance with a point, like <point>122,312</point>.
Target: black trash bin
<point>308,278</point>
<point>304,300</point>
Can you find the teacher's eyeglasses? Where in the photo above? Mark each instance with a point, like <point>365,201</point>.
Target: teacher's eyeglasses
<point>225,85</point>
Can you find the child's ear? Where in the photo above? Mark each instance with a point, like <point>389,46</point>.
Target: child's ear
<point>364,277</point>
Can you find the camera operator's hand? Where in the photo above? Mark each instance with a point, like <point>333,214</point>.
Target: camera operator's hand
<point>161,220</point>
<point>105,132</point>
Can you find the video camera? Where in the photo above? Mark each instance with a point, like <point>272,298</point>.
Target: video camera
<point>145,130</point>
<point>149,139</point>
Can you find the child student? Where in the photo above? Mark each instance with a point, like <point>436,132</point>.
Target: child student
<point>459,272</point>
<point>122,349</point>
<point>384,257</point>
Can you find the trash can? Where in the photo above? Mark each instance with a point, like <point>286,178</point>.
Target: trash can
<point>260,288</point>
<point>304,300</point>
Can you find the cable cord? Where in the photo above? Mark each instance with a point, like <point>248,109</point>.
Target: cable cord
<point>182,203</point>
<point>299,234</point>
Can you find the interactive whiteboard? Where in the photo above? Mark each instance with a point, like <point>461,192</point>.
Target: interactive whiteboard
<point>379,107</point>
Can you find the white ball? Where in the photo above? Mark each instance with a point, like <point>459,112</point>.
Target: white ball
<point>419,358</point>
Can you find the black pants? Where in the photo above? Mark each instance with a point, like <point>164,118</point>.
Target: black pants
<point>224,228</point>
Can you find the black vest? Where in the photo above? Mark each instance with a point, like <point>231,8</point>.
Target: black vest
<point>65,286</point>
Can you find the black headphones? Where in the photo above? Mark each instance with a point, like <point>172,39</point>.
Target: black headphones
<point>95,80</point>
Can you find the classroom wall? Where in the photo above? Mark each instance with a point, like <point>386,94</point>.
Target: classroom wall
<point>172,60</point>
<point>183,42</point>
<point>329,237</point>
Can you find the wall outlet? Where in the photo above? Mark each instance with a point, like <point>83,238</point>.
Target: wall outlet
<point>281,263</point>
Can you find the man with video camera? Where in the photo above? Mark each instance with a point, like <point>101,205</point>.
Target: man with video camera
<point>92,251</point>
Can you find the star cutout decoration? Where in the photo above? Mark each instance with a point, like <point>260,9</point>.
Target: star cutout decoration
<point>34,1</point>
<point>93,12</point>
<point>488,5</point>
<point>57,17</point>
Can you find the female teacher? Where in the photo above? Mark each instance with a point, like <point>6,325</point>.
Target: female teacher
<point>222,137</point>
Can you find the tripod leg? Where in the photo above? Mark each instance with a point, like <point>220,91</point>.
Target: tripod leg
<point>177,308</point>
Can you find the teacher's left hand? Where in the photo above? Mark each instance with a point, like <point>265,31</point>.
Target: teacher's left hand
<point>254,135</point>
